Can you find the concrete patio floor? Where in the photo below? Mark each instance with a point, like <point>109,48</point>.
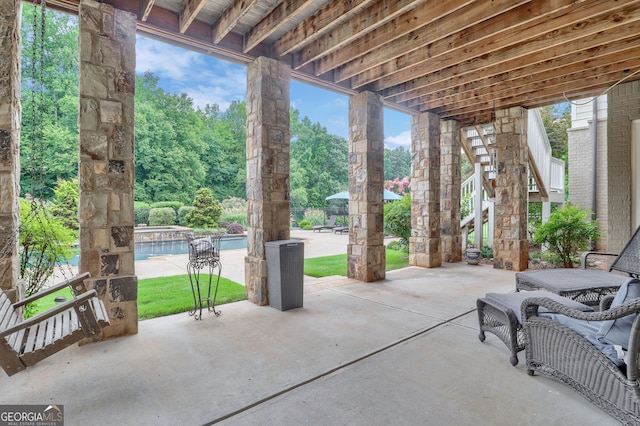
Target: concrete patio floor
<point>404,351</point>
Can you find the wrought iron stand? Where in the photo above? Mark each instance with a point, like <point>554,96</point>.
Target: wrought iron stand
<point>204,252</point>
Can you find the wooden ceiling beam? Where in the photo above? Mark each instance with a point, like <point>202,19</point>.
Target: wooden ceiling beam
<point>594,84</point>
<point>366,21</point>
<point>403,34</point>
<point>188,12</point>
<point>527,75</point>
<point>576,22</point>
<point>508,27</point>
<point>496,74</point>
<point>545,81</point>
<point>274,20</point>
<point>230,18</point>
<point>147,5</point>
<point>609,28</point>
<point>320,23</point>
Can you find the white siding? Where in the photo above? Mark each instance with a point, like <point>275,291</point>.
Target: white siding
<point>582,110</point>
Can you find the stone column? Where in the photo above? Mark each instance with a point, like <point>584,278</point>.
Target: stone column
<point>366,251</point>
<point>267,168</point>
<point>107,81</point>
<point>10,116</point>
<point>450,181</point>
<point>424,243</point>
<point>510,245</point>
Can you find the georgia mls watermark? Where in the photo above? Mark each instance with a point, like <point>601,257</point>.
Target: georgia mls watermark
<point>31,415</point>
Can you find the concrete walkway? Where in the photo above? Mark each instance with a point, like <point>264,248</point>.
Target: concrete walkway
<point>404,351</point>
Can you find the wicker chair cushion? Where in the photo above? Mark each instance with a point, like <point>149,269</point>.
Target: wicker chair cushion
<point>616,332</point>
<point>589,331</point>
<point>514,301</point>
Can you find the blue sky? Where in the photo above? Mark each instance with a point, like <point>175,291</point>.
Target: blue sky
<point>209,80</point>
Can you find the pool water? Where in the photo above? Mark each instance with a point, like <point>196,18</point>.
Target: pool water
<point>145,250</point>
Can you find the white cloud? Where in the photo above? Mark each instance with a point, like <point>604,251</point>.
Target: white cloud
<point>204,79</point>
<point>402,139</point>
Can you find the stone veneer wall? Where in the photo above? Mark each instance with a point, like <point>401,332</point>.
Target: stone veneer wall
<point>623,107</point>
<point>106,122</point>
<point>450,181</point>
<point>424,243</point>
<point>511,246</point>
<point>366,251</point>
<point>267,168</point>
<point>10,117</point>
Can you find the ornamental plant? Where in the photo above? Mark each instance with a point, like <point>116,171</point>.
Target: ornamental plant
<point>567,231</point>
<point>397,220</point>
<point>206,210</point>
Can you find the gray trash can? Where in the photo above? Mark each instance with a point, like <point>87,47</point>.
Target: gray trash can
<point>285,273</point>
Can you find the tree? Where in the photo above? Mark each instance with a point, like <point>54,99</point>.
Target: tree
<point>49,147</point>
<point>557,120</point>
<point>44,242</point>
<point>567,231</point>
<point>206,210</point>
<point>397,163</point>
<point>65,203</point>
<point>397,219</point>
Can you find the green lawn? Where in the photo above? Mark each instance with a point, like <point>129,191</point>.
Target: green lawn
<point>164,296</point>
<point>337,265</point>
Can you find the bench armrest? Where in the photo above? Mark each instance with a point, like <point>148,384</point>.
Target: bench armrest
<point>70,304</point>
<point>586,254</point>
<point>76,283</point>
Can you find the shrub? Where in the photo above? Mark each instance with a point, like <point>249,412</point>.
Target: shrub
<point>235,229</point>
<point>566,232</point>
<point>182,214</point>
<point>304,223</point>
<point>486,252</point>
<point>141,213</point>
<point>65,203</point>
<point>234,206</point>
<point>164,216</point>
<point>397,219</point>
<point>175,205</point>
<point>235,218</point>
<point>397,245</point>
<point>206,210</point>
<point>314,216</point>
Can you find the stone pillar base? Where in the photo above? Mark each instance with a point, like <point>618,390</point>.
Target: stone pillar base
<point>120,295</point>
<point>512,255</point>
<point>424,252</point>
<point>255,278</point>
<point>366,263</point>
<point>451,248</point>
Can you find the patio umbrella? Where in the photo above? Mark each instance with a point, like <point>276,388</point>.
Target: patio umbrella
<point>344,195</point>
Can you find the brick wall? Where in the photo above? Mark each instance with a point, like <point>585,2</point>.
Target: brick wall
<point>623,107</point>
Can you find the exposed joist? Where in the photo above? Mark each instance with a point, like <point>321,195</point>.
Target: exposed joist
<point>564,39</point>
<point>424,24</point>
<point>288,9</point>
<point>188,12</point>
<point>230,18</point>
<point>320,23</point>
<point>366,21</point>
<point>595,84</point>
<point>522,88</point>
<point>528,76</point>
<point>495,74</point>
<point>147,5</point>
<point>481,26</point>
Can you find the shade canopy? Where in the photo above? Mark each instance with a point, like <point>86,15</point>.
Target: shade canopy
<point>344,195</point>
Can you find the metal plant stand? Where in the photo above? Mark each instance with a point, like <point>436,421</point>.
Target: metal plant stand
<point>204,252</point>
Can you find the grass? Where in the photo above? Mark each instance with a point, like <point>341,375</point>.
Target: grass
<point>337,265</point>
<point>164,295</point>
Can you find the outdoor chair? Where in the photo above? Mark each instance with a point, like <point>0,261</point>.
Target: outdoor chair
<point>25,342</point>
<point>585,285</point>
<point>596,353</point>
<point>330,225</point>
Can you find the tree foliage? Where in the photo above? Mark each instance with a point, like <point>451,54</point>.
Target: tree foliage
<point>397,219</point>
<point>65,203</point>
<point>567,231</point>
<point>557,120</point>
<point>206,211</point>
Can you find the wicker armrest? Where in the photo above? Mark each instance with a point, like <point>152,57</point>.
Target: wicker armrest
<point>586,254</point>
<point>530,309</point>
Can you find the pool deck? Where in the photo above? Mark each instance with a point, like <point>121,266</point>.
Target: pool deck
<point>402,351</point>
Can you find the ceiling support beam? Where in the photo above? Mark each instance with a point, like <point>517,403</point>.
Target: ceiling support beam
<point>278,16</point>
<point>230,18</point>
<point>188,12</point>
